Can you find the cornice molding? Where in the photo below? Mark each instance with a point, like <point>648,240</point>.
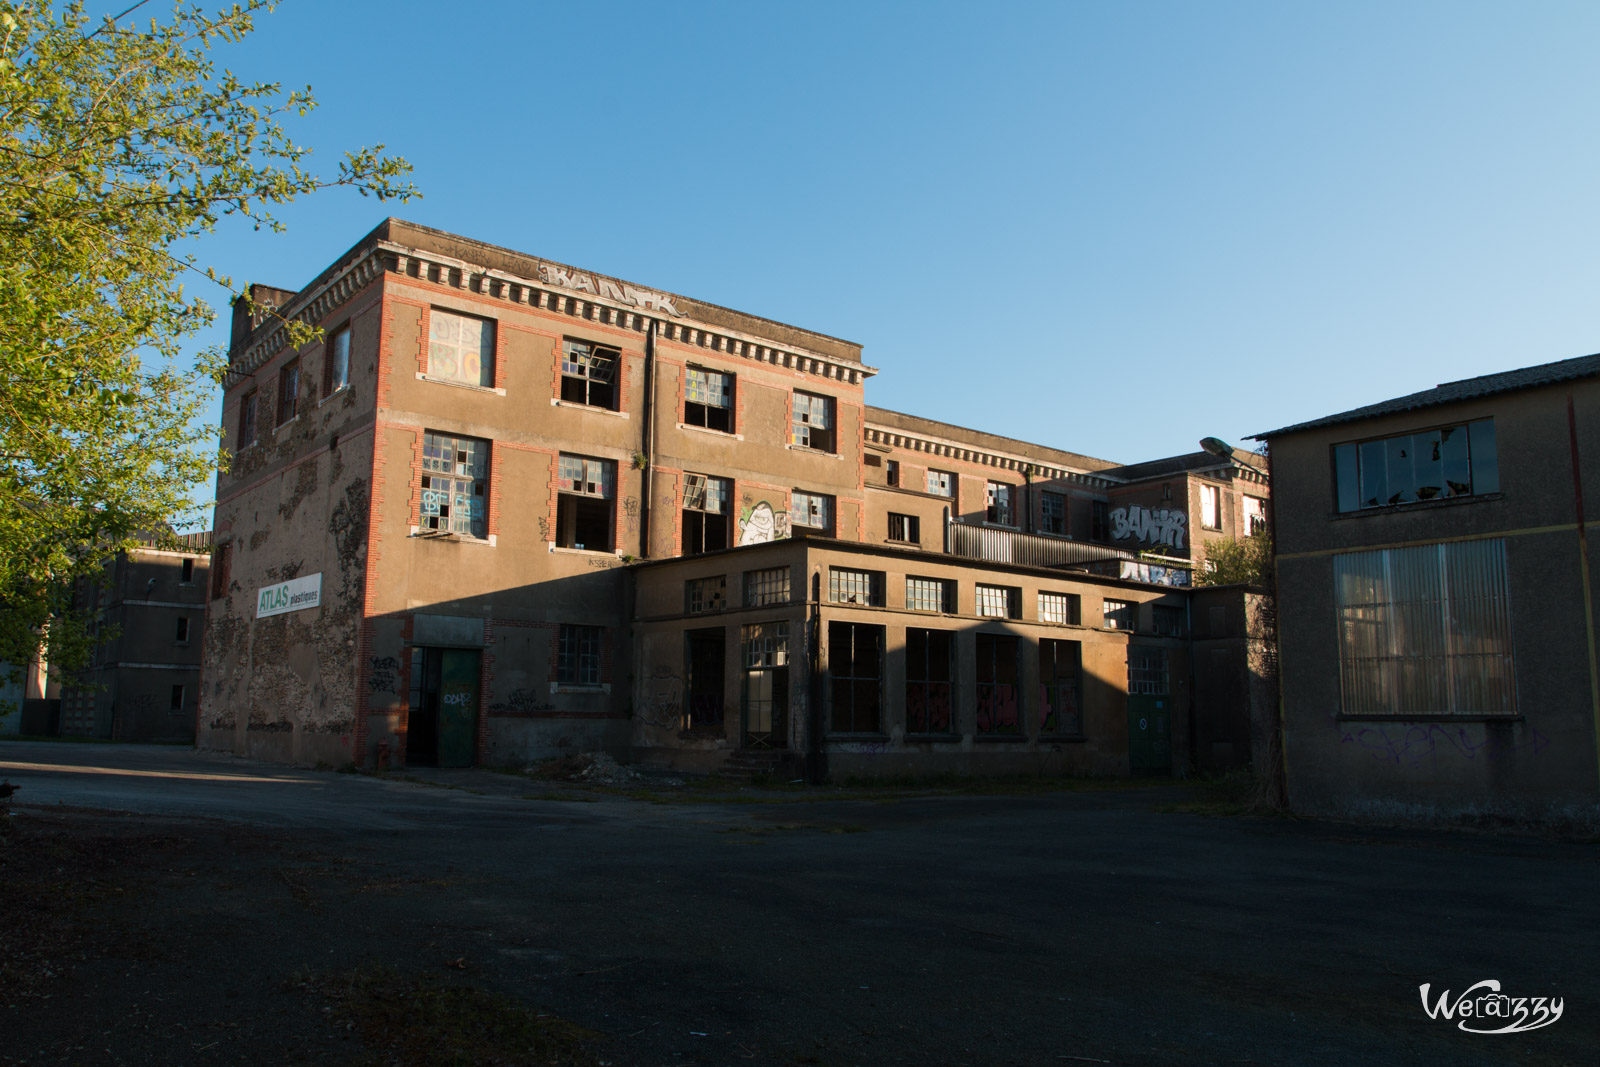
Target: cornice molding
<point>946,450</point>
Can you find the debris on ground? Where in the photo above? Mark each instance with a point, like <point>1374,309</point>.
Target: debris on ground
<point>598,768</point>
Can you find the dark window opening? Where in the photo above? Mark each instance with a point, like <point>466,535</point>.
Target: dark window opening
<point>701,595</point>
<point>1052,513</point>
<point>708,399</point>
<point>765,692</point>
<point>998,504</point>
<point>289,392</point>
<point>177,698</point>
<point>1099,520</point>
<point>583,522</point>
<point>703,703</point>
<point>998,713</point>
<point>182,633</point>
<point>247,419</point>
<point>707,524</point>
<point>905,528</point>
<point>187,571</point>
<point>1427,465</point>
<point>588,374</point>
<point>929,680</point>
<point>1166,621</point>
<point>578,655</point>
<point>1059,713</point>
<point>855,667</point>
<point>812,425</point>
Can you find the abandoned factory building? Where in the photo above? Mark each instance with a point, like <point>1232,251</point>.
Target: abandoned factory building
<point>504,509</point>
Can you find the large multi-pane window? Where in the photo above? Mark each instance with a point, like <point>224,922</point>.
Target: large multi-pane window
<point>455,481</point>
<point>1061,608</point>
<point>930,594</point>
<point>586,492</point>
<point>930,660</point>
<point>997,497</point>
<point>1425,630</point>
<point>769,586</point>
<point>999,601</point>
<point>1052,513</point>
<point>701,595</point>
<point>1118,614</point>
<point>589,374</point>
<point>1167,621</point>
<point>812,425</point>
<point>1434,464</point>
<point>941,483</point>
<point>460,348</point>
<point>708,399</point>
<point>706,521</point>
<point>998,712</point>
<point>811,511</point>
<point>764,693</point>
<point>855,587</point>
<point>578,655</point>
<point>855,671</point>
<point>1059,696</point>
<point>1147,671</point>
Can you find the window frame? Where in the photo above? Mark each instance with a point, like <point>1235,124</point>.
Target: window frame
<point>909,524</point>
<point>947,597</point>
<point>698,413</point>
<point>477,485</point>
<point>1100,521</point>
<point>579,366</point>
<point>1161,614</point>
<point>1482,462</point>
<point>801,425</point>
<point>1071,604</point>
<point>845,584</point>
<point>760,587</point>
<point>438,347</point>
<point>999,504</point>
<point>1210,506</point>
<point>826,500</point>
<point>855,682</point>
<point>920,674</point>
<point>336,361</point>
<point>570,500</point>
<point>1051,686</point>
<point>707,490</point>
<point>288,393</point>
<point>1112,611</point>
<point>181,631</point>
<point>1011,593</point>
<point>580,652</point>
<point>996,683</point>
<point>249,416</point>
<point>942,483</point>
<point>705,595</point>
<point>1049,498</point>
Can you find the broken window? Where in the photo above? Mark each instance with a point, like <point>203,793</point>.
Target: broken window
<point>1059,714</point>
<point>247,419</point>
<point>813,421</point>
<point>999,601</point>
<point>765,690</point>
<point>1052,513</point>
<point>998,498</point>
<point>1210,507</point>
<point>585,490</point>
<point>336,364</point>
<point>1255,515</point>
<point>811,511</point>
<point>998,715</point>
<point>1060,608</point>
<point>892,472</point>
<point>1429,465</point>
<point>1099,520</point>
<point>930,594</point>
<point>906,529</point>
<point>706,521</point>
<point>289,391</point>
<point>855,670</point>
<point>941,483</point>
<point>589,374</point>
<point>182,633</point>
<point>1118,614</point>
<point>1167,621</point>
<point>708,399</point>
<point>855,587</point>
<point>460,349</point>
<point>930,656</point>
<point>1147,671</point>
<point>769,586</point>
<point>705,594</point>
<point>578,655</point>
<point>455,479</point>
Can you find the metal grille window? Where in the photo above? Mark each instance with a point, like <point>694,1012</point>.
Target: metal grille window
<point>930,659</point>
<point>1059,714</point>
<point>941,483</point>
<point>586,488</point>
<point>1061,608</point>
<point>999,601</point>
<point>1426,465</point>
<point>578,659</point>
<point>247,419</point>
<point>705,513</point>
<point>708,399</point>
<point>811,510</point>
<point>770,586</point>
<point>705,594</point>
<point>289,391</point>
<point>1118,614</point>
<point>1166,621</point>
<point>855,672</point>
<point>589,374</point>
<point>1147,671</point>
<point>1426,630</point>
<point>455,479</point>
<point>855,587</point>
<point>1052,513</point>
<point>460,349</point>
<point>929,594</point>
<point>998,499</point>
<point>998,713</point>
<point>813,421</point>
<point>905,528</point>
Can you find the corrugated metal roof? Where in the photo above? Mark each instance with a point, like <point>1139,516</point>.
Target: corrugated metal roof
<point>1509,381</point>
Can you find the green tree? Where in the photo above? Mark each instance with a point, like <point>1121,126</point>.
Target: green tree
<point>120,145</point>
<point>1237,561</point>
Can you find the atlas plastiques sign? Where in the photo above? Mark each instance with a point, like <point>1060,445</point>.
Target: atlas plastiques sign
<point>294,595</point>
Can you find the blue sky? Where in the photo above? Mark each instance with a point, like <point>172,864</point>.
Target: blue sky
<point>1112,228</point>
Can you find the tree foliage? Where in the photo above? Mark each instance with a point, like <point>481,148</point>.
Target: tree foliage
<point>119,145</point>
<point>1237,561</point>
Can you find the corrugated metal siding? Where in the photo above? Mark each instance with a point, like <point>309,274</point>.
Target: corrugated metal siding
<point>1426,630</point>
<point>1029,550</point>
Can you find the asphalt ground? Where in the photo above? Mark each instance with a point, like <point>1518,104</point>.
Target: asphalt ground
<point>206,902</point>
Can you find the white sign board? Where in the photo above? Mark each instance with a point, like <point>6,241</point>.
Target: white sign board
<point>295,595</point>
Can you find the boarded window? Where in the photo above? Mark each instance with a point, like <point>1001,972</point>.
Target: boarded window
<point>769,586</point>
<point>708,399</point>
<point>578,655</point>
<point>998,714</point>
<point>460,349</point>
<point>455,479</point>
<point>930,676</point>
<point>813,421</point>
<point>855,669</point>
<point>1059,689</point>
<point>589,374</point>
<point>930,594</point>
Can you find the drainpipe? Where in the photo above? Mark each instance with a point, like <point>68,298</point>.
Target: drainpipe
<point>816,759</point>
<point>649,442</point>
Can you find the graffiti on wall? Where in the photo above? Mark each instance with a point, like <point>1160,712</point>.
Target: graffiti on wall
<point>1420,745</point>
<point>662,699</point>
<point>381,678</point>
<point>1156,526</point>
<point>760,524</point>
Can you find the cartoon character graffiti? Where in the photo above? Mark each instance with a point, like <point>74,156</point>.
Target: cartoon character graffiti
<point>760,524</point>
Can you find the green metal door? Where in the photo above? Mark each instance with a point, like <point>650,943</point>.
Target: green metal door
<point>1149,711</point>
<point>458,707</point>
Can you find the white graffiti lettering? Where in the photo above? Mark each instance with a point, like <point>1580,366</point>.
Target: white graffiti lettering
<point>579,282</point>
<point>1163,527</point>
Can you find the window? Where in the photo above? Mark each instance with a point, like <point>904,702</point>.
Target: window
<point>186,571</point>
<point>930,594</point>
<point>999,602</point>
<point>998,496</point>
<point>336,364</point>
<point>930,655</point>
<point>705,513</point>
<point>578,655</point>
<point>1210,507</point>
<point>455,477</point>
<point>1061,607</point>
<point>708,399</point>
<point>1425,630</point>
<point>182,633</point>
<point>247,419</point>
<point>219,571</point>
<point>813,421</point>
<point>942,483</point>
<point>997,686</point>
<point>589,374</point>
<point>892,472</point>
<point>855,587</point>
<point>765,692</point>
<point>1058,689</point>
<point>1255,515</point>
<point>1118,615</point>
<point>701,595</point>
<point>1052,513</point>
<point>585,490</point>
<point>770,586</point>
<point>1147,671</point>
<point>1428,465</point>
<point>460,349</point>
<point>1099,520</point>
<point>289,391</point>
<point>1166,621</point>
<point>905,528</point>
<point>811,511</point>
<point>855,670</point>
<point>177,699</point>
<point>703,692</point>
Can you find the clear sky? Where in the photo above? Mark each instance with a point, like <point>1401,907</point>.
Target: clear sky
<point>1111,228</point>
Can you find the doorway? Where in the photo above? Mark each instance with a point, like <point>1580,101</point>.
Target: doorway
<point>442,727</point>
<point>703,707</point>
